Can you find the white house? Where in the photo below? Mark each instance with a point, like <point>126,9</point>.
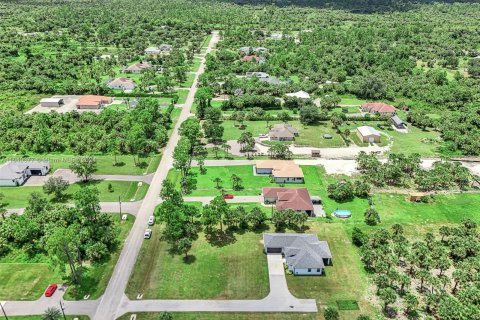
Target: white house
<point>304,254</point>
<point>152,50</point>
<point>121,84</point>
<point>14,173</point>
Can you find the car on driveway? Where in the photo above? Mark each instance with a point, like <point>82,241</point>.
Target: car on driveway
<point>147,234</point>
<point>51,290</point>
<point>151,221</point>
<point>228,196</point>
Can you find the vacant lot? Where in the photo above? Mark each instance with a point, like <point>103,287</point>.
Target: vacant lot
<point>27,280</point>
<point>223,270</point>
<point>17,197</point>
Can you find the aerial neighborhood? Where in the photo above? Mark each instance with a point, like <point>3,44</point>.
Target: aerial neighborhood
<point>236,160</point>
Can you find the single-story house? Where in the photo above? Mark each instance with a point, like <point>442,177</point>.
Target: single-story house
<point>282,171</point>
<point>259,75</point>
<point>276,36</point>
<point>398,123</point>
<point>246,50</point>
<point>304,254</point>
<point>93,102</point>
<point>260,50</point>
<point>300,95</point>
<point>283,132</point>
<point>297,199</point>
<point>138,67</point>
<point>368,134</point>
<point>121,84</point>
<point>379,108</point>
<point>152,50</point>
<point>165,47</point>
<point>52,102</point>
<point>14,173</point>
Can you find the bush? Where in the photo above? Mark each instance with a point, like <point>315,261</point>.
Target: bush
<point>358,237</point>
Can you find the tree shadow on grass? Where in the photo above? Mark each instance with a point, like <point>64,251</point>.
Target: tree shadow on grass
<point>119,164</point>
<point>189,259</point>
<point>219,238</point>
<point>260,228</point>
<point>86,286</point>
<point>142,165</point>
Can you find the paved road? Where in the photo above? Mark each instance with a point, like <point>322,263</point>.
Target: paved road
<point>71,177</point>
<point>114,293</point>
<point>278,300</point>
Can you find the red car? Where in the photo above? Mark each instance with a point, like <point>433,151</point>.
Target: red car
<point>51,290</point>
<point>228,196</point>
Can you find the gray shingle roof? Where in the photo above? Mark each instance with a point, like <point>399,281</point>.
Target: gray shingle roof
<point>396,119</point>
<point>14,169</point>
<point>301,251</point>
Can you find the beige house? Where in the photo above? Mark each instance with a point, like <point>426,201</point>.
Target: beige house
<point>283,132</point>
<point>282,171</point>
<point>368,134</point>
<point>138,67</point>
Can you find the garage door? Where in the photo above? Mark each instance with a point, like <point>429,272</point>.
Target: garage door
<point>274,250</point>
<point>371,139</point>
<point>36,172</point>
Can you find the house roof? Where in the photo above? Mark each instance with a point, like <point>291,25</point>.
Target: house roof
<point>51,100</point>
<point>396,119</point>
<point>152,49</point>
<point>281,168</point>
<point>283,130</point>
<point>252,57</point>
<point>302,251</point>
<point>257,74</point>
<point>368,131</point>
<point>165,47</point>
<point>379,107</point>
<point>14,169</point>
<point>92,100</point>
<point>290,198</point>
<point>273,80</point>
<point>123,82</point>
<point>300,94</point>
<point>139,66</point>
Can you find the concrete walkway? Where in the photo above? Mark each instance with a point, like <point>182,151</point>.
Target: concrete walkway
<point>71,177</point>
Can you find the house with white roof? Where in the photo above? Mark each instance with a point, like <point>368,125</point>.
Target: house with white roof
<point>15,173</point>
<point>304,254</point>
<point>300,95</point>
<point>368,134</point>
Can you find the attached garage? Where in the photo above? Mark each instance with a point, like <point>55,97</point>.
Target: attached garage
<point>274,250</point>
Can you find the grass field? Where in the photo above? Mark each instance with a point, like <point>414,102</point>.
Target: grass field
<point>28,281</point>
<point>105,163</point>
<point>236,270</point>
<point>308,135</point>
<point>351,100</point>
<point>17,197</point>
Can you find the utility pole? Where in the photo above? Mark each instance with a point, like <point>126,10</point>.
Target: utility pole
<point>62,308</point>
<point>3,310</point>
<point>120,205</point>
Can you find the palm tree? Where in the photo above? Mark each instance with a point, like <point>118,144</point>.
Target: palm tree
<point>226,147</point>
<point>218,181</point>
<point>51,314</point>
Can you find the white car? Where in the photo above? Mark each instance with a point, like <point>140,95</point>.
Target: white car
<point>147,234</point>
<point>264,136</point>
<point>151,221</point>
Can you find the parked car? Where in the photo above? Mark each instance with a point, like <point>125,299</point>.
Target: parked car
<point>228,196</point>
<point>151,221</point>
<point>51,290</point>
<point>147,234</point>
<point>263,136</point>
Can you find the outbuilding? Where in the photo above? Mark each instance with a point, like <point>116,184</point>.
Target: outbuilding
<point>368,134</point>
<point>52,102</point>
<point>398,123</point>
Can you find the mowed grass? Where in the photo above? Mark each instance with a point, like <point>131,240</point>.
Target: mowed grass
<point>17,197</point>
<point>345,279</point>
<point>125,164</point>
<point>308,135</point>
<point>25,281</point>
<point>237,270</point>
<point>28,280</point>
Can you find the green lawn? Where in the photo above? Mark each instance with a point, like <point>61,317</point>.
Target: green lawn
<point>351,100</point>
<point>182,96</point>
<point>17,197</point>
<point>252,185</point>
<point>308,135</point>
<point>28,280</point>
<point>105,163</point>
<point>196,64</point>
<point>236,270</point>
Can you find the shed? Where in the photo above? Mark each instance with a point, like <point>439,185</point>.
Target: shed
<point>417,196</point>
<point>368,134</point>
<point>398,123</point>
<point>316,153</point>
<point>52,102</point>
